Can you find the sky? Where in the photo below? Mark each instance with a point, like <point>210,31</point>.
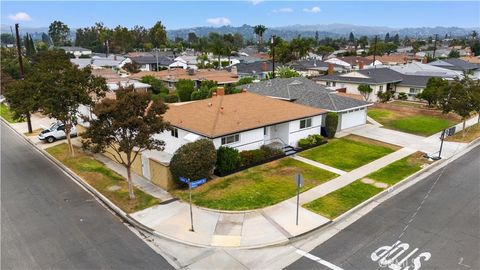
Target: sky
<point>184,14</point>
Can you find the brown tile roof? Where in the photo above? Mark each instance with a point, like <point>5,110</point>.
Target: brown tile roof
<point>471,59</point>
<point>109,75</point>
<point>354,96</point>
<point>394,58</point>
<point>355,60</point>
<point>227,114</point>
<point>173,75</point>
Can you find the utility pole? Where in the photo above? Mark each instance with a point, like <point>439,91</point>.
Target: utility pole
<point>22,74</point>
<point>435,46</point>
<point>156,56</point>
<point>375,50</point>
<point>107,48</point>
<point>272,42</point>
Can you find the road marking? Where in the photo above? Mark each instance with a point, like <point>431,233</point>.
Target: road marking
<point>319,260</point>
<point>391,257</point>
<point>462,264</point>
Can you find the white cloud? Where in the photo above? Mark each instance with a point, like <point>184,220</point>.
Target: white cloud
<point>282,10</point>
<point>312,10</point>
<point>219,21</point>
<point>20,17</point>
<point>255,2</point>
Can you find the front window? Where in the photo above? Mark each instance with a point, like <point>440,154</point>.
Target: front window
<point>230,139</point>
<point>305,123</point>
<point>380,88</point>
<point>414,91</point>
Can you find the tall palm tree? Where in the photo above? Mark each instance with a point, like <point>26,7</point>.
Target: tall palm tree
<point>259,30</point>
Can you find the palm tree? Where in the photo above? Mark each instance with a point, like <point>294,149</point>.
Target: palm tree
<point>217,47</point>
<point>259,30</point>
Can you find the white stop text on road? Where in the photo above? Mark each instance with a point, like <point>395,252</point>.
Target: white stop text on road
<point>394,258</point>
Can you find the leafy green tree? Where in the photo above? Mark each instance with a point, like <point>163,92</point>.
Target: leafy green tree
<point>363,42</point>
<point>245,80</point>
<point>59,33</point>
<point>324,51</point>
<point>286,72</point>
<point>122,40</point>
<point>331,124</point>
<point>259,30</point>
<point>157,85</point>
<point>192,38</point>
<point>6,38</point>
<point>29,46</point>
<point>453,54</point>
<point>351,38</point>
<point>387,38</point>
<point>384,96</point>
<point>63,88</point>
<point>22,97</point>
<point>433,91</point>
<point>195,160</point>
<point>126,126</point>
<point>185,89</point>
<point>140,36</point>
<point>365,90</point>
<point>217,46</point>
<point>473,88</point>
<point>158,35</point>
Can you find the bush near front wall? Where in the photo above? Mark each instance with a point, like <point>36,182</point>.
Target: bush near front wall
<point>331,123</point>
<point>195,160</point>
<point>311,141</point>
<point>228,159</point>
<point>252,156</point>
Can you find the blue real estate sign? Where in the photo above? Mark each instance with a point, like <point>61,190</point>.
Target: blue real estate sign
<point>184,180</point>
<point>197,183</point>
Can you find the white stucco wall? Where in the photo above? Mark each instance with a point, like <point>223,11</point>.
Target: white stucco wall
<point>251,139</point>
<point>295,133</point>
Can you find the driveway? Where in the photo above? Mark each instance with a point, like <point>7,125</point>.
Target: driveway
<point>385,135</point>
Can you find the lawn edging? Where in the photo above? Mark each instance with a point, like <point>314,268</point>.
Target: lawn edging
<point>401,185</point>
<point>100,197</point>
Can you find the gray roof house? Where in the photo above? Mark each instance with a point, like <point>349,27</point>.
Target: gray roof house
<point>149,62</point>
<point>352,112</point>
<point>313,67</point>
<point>257,69</point>
<point>455,64</point>
<point>368,76</point>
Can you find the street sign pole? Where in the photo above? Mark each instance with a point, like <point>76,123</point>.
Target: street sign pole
<point>442,137</point>
<point>299,183</point>
<point>298,201</point>
<point>191,212</point>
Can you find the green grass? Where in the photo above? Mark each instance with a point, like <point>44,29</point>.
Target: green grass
<point>419,124</point>
<point>6,114</point>
<point>471,133</point>
<point>341,200</point>
<point>408,104</point>
<point>257,187</point>
<point>398,170</point>
<point>101,178</point>
<point>347,153</point>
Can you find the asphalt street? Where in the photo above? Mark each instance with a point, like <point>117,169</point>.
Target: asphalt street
<point>443,232</point>
<point>49,222</point>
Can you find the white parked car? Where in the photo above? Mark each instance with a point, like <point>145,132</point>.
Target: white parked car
<point>56,131</point>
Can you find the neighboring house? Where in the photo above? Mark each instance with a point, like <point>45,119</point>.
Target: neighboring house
<point>242,121</point>
<point>380,79</point>
<point>442,53</point>
<point>352,112</point>
<point>312,68</point>
<point>458,65</point>
<point>471,59</point>
<point>77,51</point>
<point>421,69</point>
<point>258,70</point>
<point>352,62</point>
<point>185,62</point>
<point>171,76</point>
<point>99,62</point>
<point>394,59</point>
<point>412,85</point>
<point>115,80</point>
<point>149,62</point>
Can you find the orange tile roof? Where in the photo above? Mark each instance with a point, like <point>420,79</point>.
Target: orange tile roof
<point>394,58</point>
<point>471,59</point>
<point>173,75</point>
<point>227,114</point>
<point>354,96</point>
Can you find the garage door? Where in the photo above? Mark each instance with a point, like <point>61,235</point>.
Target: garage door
<point>353,118</point>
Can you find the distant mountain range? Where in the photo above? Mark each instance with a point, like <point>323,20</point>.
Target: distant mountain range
<point>289,32</point>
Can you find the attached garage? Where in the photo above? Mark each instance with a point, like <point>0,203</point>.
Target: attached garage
<point>352,118</point>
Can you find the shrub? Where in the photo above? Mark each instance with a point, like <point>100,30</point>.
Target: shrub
<point>157,85</point>
<point>185,89</point>
<point>249,157</point>
<point>228,159</point>
<point>384,96</point>
<point>245,80</point>
<point>402,96</point>
<point>194,160</point>
<point>270,151</point>
<point>331,123</point>
<point>310,141</point>
<point>171,98</point>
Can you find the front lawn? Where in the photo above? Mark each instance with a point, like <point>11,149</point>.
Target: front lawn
<point>341,200</point>
<point>412,121</point>
<point>6,114</point>
<point>104,180</point>
<point>348,153</point>
<point>408,104</point>
<point>257,187</point>
<point>399,170</point>
<point>471,133</point>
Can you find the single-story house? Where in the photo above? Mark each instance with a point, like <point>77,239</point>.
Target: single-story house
<point>458,65</point>
<point>314,67</point>
<point>185,62</point>
<point>258,70</point>
<point>149,62</point>
<point>353,62</point>
<point>412,85</point>
<point>99,62</point>
<point>171,76</point>
<point>352,112</point>
<point>242,121</point>
<point>421,69</point>
<point>380,79</point>
<point>77,51</point>
<point>395,59</point>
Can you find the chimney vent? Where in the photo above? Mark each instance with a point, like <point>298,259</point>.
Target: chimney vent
<point>264,66</point>
<point>361,65</point>
<point>220,91</point>
<point>330,69</point>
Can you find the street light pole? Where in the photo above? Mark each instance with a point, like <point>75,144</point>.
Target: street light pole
<point>191,212</point>
<point>272,42</point>
<point>156,56</point>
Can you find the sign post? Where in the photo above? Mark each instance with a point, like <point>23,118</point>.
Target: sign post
<point>192,185</point>
<point>299,183</point>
